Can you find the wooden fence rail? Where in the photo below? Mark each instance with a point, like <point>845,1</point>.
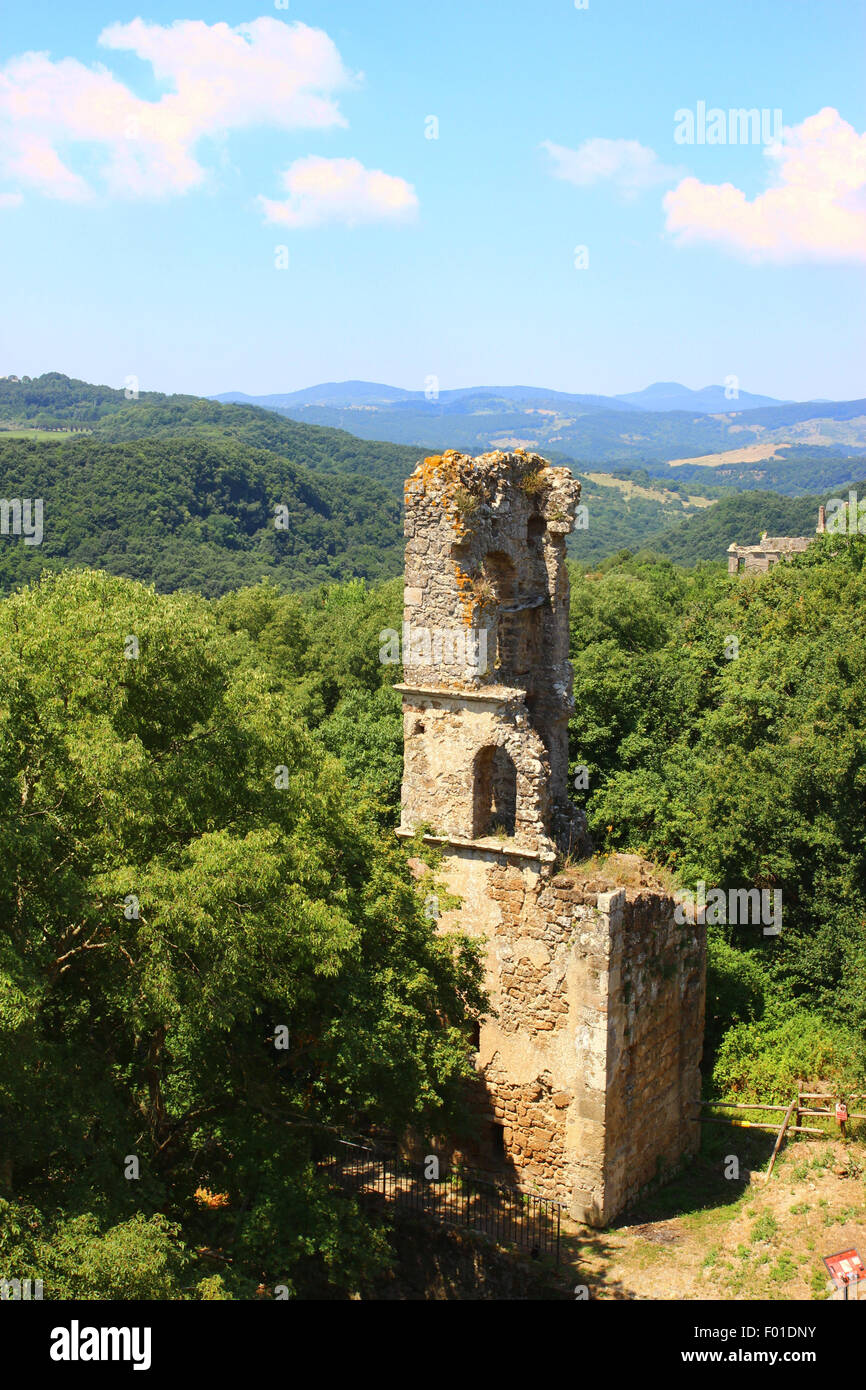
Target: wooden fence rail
<point>795,1110</point>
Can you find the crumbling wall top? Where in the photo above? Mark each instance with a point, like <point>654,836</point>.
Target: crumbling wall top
<point>461,487</point>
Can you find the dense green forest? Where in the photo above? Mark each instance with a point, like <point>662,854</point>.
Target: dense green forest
<point>315,449</point>
<point>621,516</point>
<point>742,764</point>
<point>201,748</point>
<point>196,512</point>
<point>55,400</point>
<point>180,492</point>
<point>188,871</point>
<point>165,817</point>
<point>193,505</point>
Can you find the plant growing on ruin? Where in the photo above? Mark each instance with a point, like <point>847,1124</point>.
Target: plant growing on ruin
<point>532,482</point>
<point>465,502</point>
<point>483,590</point>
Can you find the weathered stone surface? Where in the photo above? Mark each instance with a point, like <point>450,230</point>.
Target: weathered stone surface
<point>588,1060</point>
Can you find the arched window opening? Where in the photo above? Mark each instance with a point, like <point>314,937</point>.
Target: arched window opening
<point>494,805</point>
<point>500,574</point>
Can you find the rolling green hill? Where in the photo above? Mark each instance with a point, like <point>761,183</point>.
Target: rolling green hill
<point>181,491</point>
<point>54,399</point>
<point>308,446</point>
<point>741,518</point>
<point>796,470</point>
<point>625,507</point>
<point>195,512</point>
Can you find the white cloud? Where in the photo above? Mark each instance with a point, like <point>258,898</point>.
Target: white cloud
<point>815,209</point>
<point>265,73</point>
<point>339,190</point>
<point>10,200</point>
<point>627,164</point>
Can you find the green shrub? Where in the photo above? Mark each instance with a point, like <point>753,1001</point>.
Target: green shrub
<point>763,1060</point>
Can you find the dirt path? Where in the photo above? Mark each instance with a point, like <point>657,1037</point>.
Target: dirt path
<point>706,1236</point>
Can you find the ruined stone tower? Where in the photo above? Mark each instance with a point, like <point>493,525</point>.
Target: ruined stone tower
<point>587,1064</point>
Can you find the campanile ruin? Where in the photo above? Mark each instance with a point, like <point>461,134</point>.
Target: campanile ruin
<point>587,1064</point>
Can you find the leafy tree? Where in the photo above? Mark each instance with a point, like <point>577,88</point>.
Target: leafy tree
<point>189,871</point>
<point>742,765</point>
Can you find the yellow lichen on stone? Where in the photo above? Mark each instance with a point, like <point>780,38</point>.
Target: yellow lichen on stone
<point>465,593</point>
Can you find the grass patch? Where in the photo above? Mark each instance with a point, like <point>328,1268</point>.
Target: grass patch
<point>783,1270</point>
<point>765,1228</point>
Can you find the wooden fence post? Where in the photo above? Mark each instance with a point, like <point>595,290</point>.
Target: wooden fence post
<point>780,1137</point>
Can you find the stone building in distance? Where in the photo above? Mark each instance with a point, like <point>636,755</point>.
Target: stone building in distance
<point>771,549</point>
<point>587,1075</point>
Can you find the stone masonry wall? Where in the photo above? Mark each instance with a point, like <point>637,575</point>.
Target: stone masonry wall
<point>587,1068</point>
<point>589,1060</point>
<point>485,556</point>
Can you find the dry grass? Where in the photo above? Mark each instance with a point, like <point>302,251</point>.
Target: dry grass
<point>653,494</point>
<point>705,1237</point>
<point>619,871</point>
<point>749,453</point>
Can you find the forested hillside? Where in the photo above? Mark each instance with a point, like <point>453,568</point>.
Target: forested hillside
<point>742,764</point>
<point>743,518</point>
<point>54,400</point>
<point>625,507</point>
<point>313,448</point>
<point>181,492</point>
<point>196,512</point>
<point>795,469</point>
<point>166,815</point>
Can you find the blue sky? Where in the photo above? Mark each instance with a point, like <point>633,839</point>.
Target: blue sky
<point>151,251</point>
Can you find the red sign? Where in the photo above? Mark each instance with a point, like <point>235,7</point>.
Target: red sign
<point>841,1112</point>
<point>845,1268</point>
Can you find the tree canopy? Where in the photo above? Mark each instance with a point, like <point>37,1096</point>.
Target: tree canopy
<point>722,723</point>
<point>190,871</point>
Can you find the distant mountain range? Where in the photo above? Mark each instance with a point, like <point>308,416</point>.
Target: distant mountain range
<point>665,423</point>
<point>670,395</point>
<point>662,395</point>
